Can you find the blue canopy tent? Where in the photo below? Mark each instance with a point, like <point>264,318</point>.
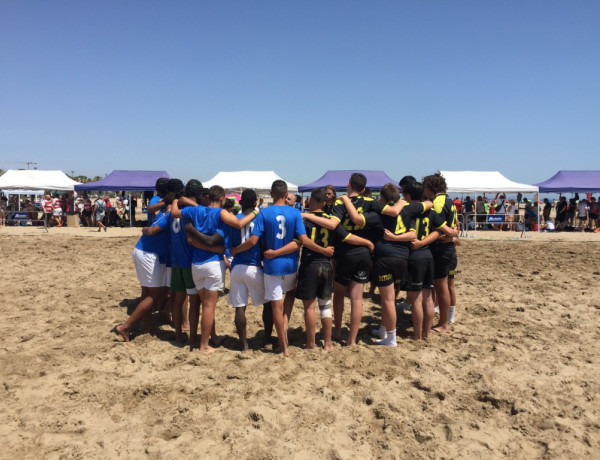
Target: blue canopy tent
<point>136,181</point>
<point>572,181</point>
<point>339,179</point>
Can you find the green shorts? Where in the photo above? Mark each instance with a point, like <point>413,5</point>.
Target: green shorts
<point>181,279</point>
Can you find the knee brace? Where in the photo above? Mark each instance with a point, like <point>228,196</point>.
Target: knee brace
<point>325,308</point>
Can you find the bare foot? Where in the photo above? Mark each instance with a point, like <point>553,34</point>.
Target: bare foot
<point>327,347</point>
<point>104,228</point>
<point>351,344</point>
<point>122,331</point>
<point>442,329</point>
<point>185,328</point>
<point>207,350</point>
<point>245,346</point>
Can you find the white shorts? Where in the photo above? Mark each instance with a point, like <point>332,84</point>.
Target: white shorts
<point>246,279</point>
<point>57,212</point>
<point>150,272</point>
<point>207,276</point>
<point>277,285</point>
<point>168,276</point>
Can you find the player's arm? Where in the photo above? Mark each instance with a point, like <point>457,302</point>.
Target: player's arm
<point>355,216</point>
<point>175,211</point>
<point>154,208</point>
<point>186,201</point>
<point>433,236</point>
<point>405,237</point>
<point>151,231</point>
<point>310,244</point>
<point>234,222</point>
<point>249,243</point>
<point>448,232</point>
<point>358,241</point>
<point>329,224</point>
<point>207,240</point>
<point>292,246</point>
<point>215,249</point>
<point>393,210</point>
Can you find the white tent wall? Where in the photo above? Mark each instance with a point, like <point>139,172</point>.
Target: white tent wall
<point>474,182</point>
<point>35,179</point>
<point>238,180</point>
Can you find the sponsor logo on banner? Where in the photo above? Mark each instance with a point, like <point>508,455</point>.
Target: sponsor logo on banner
<point>495,219</point>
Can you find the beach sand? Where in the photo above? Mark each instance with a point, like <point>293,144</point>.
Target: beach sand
<point>519,376</point>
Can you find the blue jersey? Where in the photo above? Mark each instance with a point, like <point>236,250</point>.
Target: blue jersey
<point>235,237</point>
<point>159,243</point>
<point>278,226</point>
<point>155,199</point>
<point>181,251</point>
<point>207,221</point>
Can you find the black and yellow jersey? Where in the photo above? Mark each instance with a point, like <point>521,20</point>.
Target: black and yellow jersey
<point>445,208</point>
<point>424,224</point>
<point>368,229</point>
<point>321,236</point>
<point>397,225</point>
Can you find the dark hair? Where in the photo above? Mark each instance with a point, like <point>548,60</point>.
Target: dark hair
<point>176,187</point>
<point>318,195</point>
<point>193,189</point>
<point>415,190</point>
<point>162,184</point>
<point>169,198</point>
<point>248,200</point>
<point>216,192</point>
<point>390,192</point>
<point>435,182</point>
<point>358,182</point>
<point>229,204</point>
<point>279,189</point>
<point>406,180</point>
<point>367,192</point>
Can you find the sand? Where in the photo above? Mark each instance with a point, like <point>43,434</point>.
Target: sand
<point>518,377</point>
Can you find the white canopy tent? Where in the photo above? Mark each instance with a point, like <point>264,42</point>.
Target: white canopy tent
<point>474,182</point>
<point>483,182</point>
<point>239,180</point>
<point>16,181</point>
<point>34,179</point>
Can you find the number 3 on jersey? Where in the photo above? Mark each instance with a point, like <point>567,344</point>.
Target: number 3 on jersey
<point>281,233</point>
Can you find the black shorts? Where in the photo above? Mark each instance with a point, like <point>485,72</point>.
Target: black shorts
<point>389,270</point>
<point>419,273</point>
<point>354,266</point>
<point>442,258</point>
<point>315,280</point>
<point>452,267</point>
<point>593,216</point>
<point>87,213</point>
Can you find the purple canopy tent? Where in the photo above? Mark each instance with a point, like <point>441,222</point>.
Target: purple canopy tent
<point>138,181</point>
<point>572,181</point>
<point>119,179</point>
<point>339,179</point>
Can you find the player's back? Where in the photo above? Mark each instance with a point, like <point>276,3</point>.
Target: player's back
<point>277,226</point>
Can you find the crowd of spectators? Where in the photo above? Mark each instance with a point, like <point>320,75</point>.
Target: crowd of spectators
<point>517,214</point>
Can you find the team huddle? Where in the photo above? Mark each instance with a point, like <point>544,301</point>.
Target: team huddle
<point>277,254</point>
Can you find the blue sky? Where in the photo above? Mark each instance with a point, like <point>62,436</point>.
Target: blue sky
<point>197,87</point>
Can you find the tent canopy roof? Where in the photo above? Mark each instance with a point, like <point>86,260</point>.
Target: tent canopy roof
<point>572,181</point>
<point>257,180</point>
<point>339,179</point>
<point>35,179</point>
<point>483,182</point>
<point>121,179</point>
